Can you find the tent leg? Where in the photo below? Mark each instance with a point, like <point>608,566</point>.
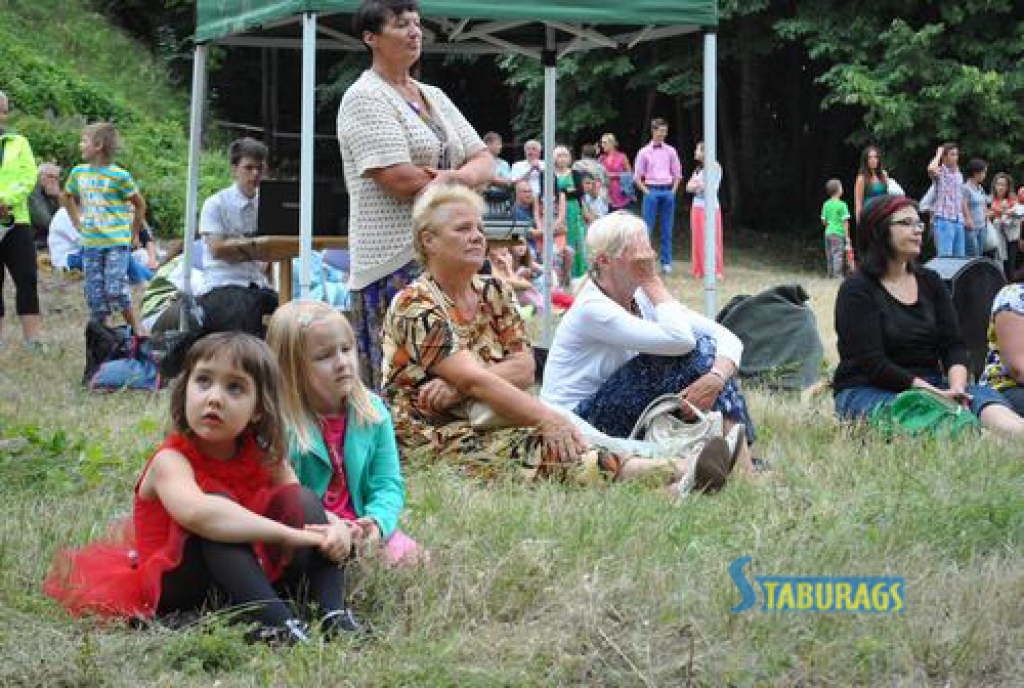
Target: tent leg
<point>550,91</point>
<point>712,172</point>
<point>306,163</point>
<point>195,138</point>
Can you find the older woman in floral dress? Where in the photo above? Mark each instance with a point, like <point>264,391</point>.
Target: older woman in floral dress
<point>454,336</point>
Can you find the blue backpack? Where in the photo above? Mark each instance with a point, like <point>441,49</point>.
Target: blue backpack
<point>137,370</point>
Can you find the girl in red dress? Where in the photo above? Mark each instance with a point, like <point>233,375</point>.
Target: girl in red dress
<point>218,515</point>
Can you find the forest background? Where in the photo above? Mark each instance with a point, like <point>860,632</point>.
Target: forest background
<point>804,85</point>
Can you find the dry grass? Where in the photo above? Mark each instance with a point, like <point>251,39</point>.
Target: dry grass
<point>552,585</point>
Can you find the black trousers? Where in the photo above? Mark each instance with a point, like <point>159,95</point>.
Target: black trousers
<point>215,573</point>
<point>18,256</point>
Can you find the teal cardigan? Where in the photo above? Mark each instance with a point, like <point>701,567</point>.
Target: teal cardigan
<point>371,468</point>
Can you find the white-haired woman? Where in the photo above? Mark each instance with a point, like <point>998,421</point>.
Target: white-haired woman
<point>454,336</point>
<point>626,341</point>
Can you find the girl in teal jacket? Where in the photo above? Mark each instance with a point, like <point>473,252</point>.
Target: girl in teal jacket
<point>342,444</point>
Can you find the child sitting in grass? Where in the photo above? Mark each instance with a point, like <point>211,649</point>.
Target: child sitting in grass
<point>218,514</point>
<point>341,442</point>
<point>107,228</point>
<point>835,216</point>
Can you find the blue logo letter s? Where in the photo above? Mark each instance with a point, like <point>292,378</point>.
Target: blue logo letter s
<point>742,584</point>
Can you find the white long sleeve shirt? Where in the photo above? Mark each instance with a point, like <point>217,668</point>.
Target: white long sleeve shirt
<point>598,336</point>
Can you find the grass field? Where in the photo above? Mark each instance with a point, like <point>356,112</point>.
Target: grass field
<point>552,585</point>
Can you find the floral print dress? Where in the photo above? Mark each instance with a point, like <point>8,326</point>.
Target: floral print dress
<point>422,328</point>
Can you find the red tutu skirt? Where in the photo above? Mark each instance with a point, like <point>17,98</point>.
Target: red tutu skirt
<point>121,574</point>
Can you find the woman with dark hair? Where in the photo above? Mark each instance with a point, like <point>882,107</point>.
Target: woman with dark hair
<point>897,328</point>
<point>872,180</point>
<point>397,135</point>
<point>1002,214</point>
<point>974,195</point>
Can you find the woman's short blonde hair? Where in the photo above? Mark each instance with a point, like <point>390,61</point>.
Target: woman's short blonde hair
<point>429,212</point>
<point>286,337</point>
<point>610,234</point>
<point>611,137</point>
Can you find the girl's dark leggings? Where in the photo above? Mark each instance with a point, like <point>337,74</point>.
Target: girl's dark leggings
<point>231,571</point>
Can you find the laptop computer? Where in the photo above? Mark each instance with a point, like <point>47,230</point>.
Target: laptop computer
<point>279,207</point>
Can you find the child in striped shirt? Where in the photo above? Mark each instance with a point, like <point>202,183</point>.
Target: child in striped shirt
<point>103,191</point>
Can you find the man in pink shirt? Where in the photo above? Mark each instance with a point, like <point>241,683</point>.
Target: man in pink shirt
<point>657,175</point>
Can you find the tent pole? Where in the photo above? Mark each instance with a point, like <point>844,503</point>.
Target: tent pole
<point>712,172</point>
<point>306,163</point>
<point>195,137</point>
<point>549,59</point>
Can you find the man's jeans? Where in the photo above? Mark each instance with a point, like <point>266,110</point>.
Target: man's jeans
<point>949,238</point>
<point>659,201</point>
<point>974,243</point>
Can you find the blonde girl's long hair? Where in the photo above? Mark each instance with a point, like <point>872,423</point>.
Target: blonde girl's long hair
<point>286,336</point>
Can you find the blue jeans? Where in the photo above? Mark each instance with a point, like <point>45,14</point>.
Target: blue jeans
<point>106,279</point>
<point>949,238</point>
<point>137,272</point>
<point>856,403</point>
<point>660,202</point>
<point>974,243</point>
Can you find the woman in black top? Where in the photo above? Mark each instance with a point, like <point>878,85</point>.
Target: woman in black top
<point>897,328</point>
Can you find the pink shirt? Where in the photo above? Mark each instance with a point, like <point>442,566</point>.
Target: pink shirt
<point>658,164</point>
<point>337,498</point>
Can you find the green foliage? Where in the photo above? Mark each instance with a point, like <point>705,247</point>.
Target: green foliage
<point>35,459</point>
<point>926,76</point>
<point>99,75</point>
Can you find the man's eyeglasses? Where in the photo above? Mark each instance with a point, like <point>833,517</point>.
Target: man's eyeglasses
<point>912,224</point>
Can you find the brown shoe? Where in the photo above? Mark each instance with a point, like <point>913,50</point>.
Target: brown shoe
<point>711,469</point>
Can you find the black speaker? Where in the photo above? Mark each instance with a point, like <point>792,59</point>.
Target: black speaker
<point>973,284</point>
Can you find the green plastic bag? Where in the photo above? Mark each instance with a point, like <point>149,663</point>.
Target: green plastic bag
<point>917,412</point>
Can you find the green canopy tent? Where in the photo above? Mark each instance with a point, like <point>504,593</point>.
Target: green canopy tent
<point>542,30</point>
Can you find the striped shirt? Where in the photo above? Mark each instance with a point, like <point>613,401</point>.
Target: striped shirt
<point>103,194</point>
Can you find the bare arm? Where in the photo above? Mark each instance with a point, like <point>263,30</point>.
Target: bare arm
<point>139,203</point>
<point>933,166</point>
<point>403,180</point>
<point>858,196</point>
<point>171,480</point>
<point>1010,335</point>
<point>221,249</point>
<point>68,202</point>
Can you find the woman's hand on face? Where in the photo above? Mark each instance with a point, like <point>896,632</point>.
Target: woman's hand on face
<point>562,440</point>
<point>437,396</point>
<point>644,265</point>
<point>702,393</point>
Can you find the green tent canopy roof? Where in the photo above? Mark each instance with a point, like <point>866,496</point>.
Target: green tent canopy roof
<point>486,25</point>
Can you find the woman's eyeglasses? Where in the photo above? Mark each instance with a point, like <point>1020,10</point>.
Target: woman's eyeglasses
<point>912,224</point>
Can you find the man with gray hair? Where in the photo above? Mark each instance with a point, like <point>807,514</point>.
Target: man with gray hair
<point>532,168</point>
<point>44,202</point>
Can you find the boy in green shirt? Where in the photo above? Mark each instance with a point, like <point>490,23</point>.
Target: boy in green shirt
<point>835,215</point>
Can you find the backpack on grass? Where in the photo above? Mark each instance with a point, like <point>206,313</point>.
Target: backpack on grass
<point>138,370</point>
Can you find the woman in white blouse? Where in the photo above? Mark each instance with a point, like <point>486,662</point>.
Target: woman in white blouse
<point>626,341</point>
<point>397,136</point>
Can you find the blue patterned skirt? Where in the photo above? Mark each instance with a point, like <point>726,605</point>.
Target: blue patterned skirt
<point>615,408</point>
<point>367,307</point>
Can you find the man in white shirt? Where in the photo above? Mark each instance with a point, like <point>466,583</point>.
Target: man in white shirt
<point>231,213</point>
<point>530,169</point>
<point>235,293</point>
